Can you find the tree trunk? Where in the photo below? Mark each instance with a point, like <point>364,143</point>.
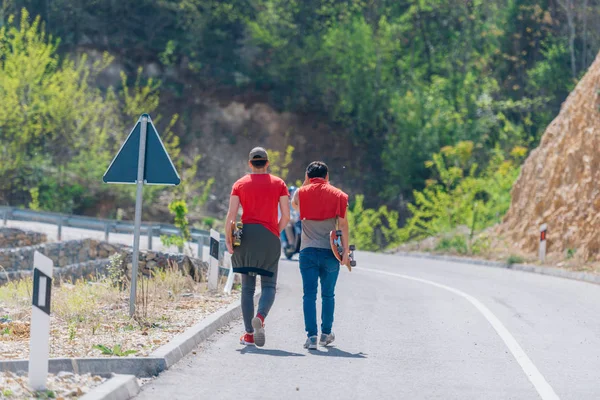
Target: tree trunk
<point>568,7</point>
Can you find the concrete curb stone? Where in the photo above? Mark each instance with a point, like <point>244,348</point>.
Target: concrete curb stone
<point>184,343</point>
<point>119,387</point>
<point>130,368</point>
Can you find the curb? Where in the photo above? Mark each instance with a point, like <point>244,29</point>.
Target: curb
<point>142,366</point>
<point>536,269</point>
<point>160,360</point>
<point>119,387</point>
<point>184,343</point>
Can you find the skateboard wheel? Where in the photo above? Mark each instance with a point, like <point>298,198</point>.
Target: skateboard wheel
<point>352,247</point>
<point>353,263</point>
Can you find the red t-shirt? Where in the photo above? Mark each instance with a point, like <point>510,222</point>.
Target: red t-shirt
<point>320,201</point>
<point>259,196</point>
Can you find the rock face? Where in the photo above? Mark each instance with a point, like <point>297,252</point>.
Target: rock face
<point>12,237</point>
<point>560,181</point>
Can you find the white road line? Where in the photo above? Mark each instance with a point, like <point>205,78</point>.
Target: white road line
<point>535,377</point>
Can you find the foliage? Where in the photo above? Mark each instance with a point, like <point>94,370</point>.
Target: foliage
<point>514,259</point>
<point>460,194</point>
<point>179,210</point>
<point>372,229</point>
<point>279,163</point>
<point>397,80</point>
<point>49,101</point>
<point>455,243</point>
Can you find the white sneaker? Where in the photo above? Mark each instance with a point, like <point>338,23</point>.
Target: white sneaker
<point>311,343</point>
<point>259,332</point>
<point>326,339</point>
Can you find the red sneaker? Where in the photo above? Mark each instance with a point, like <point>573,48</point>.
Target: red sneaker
<point>247,339</point>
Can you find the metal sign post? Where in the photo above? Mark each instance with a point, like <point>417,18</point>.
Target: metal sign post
<point>142,159</point>
<point>543,232</point>
<point>138,214</point>
<point>39,341</point>
<point>213,269</point>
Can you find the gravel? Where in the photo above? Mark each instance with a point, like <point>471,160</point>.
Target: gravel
<point>64,385</point>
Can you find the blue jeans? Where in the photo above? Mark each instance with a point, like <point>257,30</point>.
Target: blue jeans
<point>318,264</point>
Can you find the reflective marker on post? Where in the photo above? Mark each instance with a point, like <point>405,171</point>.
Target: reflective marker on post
<point>213,269</point>
<point>39,348</point>
<point>543,233</point>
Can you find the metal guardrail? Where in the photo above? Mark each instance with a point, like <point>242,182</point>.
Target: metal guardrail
<point>108,226</point>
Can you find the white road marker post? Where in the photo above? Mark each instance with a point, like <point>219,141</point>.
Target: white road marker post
<point>39,341</point>
<point>213,269</point>
<point>227,263</point>
<point>543,231</point>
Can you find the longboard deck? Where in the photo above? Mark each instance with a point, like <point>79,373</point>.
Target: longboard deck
<point>338,250</point>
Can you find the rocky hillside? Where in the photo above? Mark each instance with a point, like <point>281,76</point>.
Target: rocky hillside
<point>559,183</point>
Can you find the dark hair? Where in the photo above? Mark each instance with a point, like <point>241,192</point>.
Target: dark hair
<point>317,169</point>
<point>258,163</point>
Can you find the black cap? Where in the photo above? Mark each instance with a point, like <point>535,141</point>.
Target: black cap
<point>258,154</point>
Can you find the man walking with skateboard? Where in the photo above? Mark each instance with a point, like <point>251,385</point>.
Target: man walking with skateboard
<point>259,194</point>
<point>321,207</point>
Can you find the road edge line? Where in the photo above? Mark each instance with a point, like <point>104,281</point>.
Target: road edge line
<point>536,378</point>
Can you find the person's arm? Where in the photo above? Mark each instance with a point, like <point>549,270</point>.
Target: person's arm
<point>343,226</point>
<point>295,202</point>
<point>234,206</point>
<point>284,204</point>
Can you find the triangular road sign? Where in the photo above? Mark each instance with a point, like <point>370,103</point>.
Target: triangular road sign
<point>158,168</point>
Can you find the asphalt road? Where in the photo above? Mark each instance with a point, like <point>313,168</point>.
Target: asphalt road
<point>411,329</point>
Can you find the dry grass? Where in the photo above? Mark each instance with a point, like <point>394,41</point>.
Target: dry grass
<point>90,313</point>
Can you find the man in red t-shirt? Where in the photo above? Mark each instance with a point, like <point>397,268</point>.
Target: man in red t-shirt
<point>322,210</point>
<point>259,194</point>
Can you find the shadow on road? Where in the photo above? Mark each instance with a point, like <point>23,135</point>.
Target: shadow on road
<point>335,352</point>
<point>268,352</point>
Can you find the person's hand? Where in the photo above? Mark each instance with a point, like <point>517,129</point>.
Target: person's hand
<point>229,246</point>
<point>306,180</point>
<point>346,261</point>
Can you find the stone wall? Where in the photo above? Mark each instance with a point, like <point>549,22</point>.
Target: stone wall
<point>154,260</point>
<point>77,259</point>
<point>61,253</point>
<point>12,237</point>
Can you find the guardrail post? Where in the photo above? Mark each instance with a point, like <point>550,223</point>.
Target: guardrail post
<point>60,224</point>
<point>106,231</point>
<point>150,234</point>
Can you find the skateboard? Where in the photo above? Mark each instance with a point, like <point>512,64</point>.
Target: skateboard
<point>237,234</point>
<point>338,250</point>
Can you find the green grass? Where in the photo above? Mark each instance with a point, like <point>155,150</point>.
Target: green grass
<point>116,350</point>
<point>453,244</point>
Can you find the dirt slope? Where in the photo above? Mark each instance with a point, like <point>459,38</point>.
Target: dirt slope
<point>560,181</point>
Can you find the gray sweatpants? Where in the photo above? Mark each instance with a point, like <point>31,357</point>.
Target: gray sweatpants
<point>267,297</point>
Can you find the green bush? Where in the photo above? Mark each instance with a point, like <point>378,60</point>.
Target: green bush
<point>461,195</point>
<point>453,244</point>
<point>372,230</point>
<point>58,132</point>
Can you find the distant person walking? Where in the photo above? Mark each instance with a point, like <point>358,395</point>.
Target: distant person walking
<point>322,209</point>
<point>259,194</point>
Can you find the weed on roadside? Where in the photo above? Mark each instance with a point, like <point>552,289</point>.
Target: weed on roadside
<point>514,259</point>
